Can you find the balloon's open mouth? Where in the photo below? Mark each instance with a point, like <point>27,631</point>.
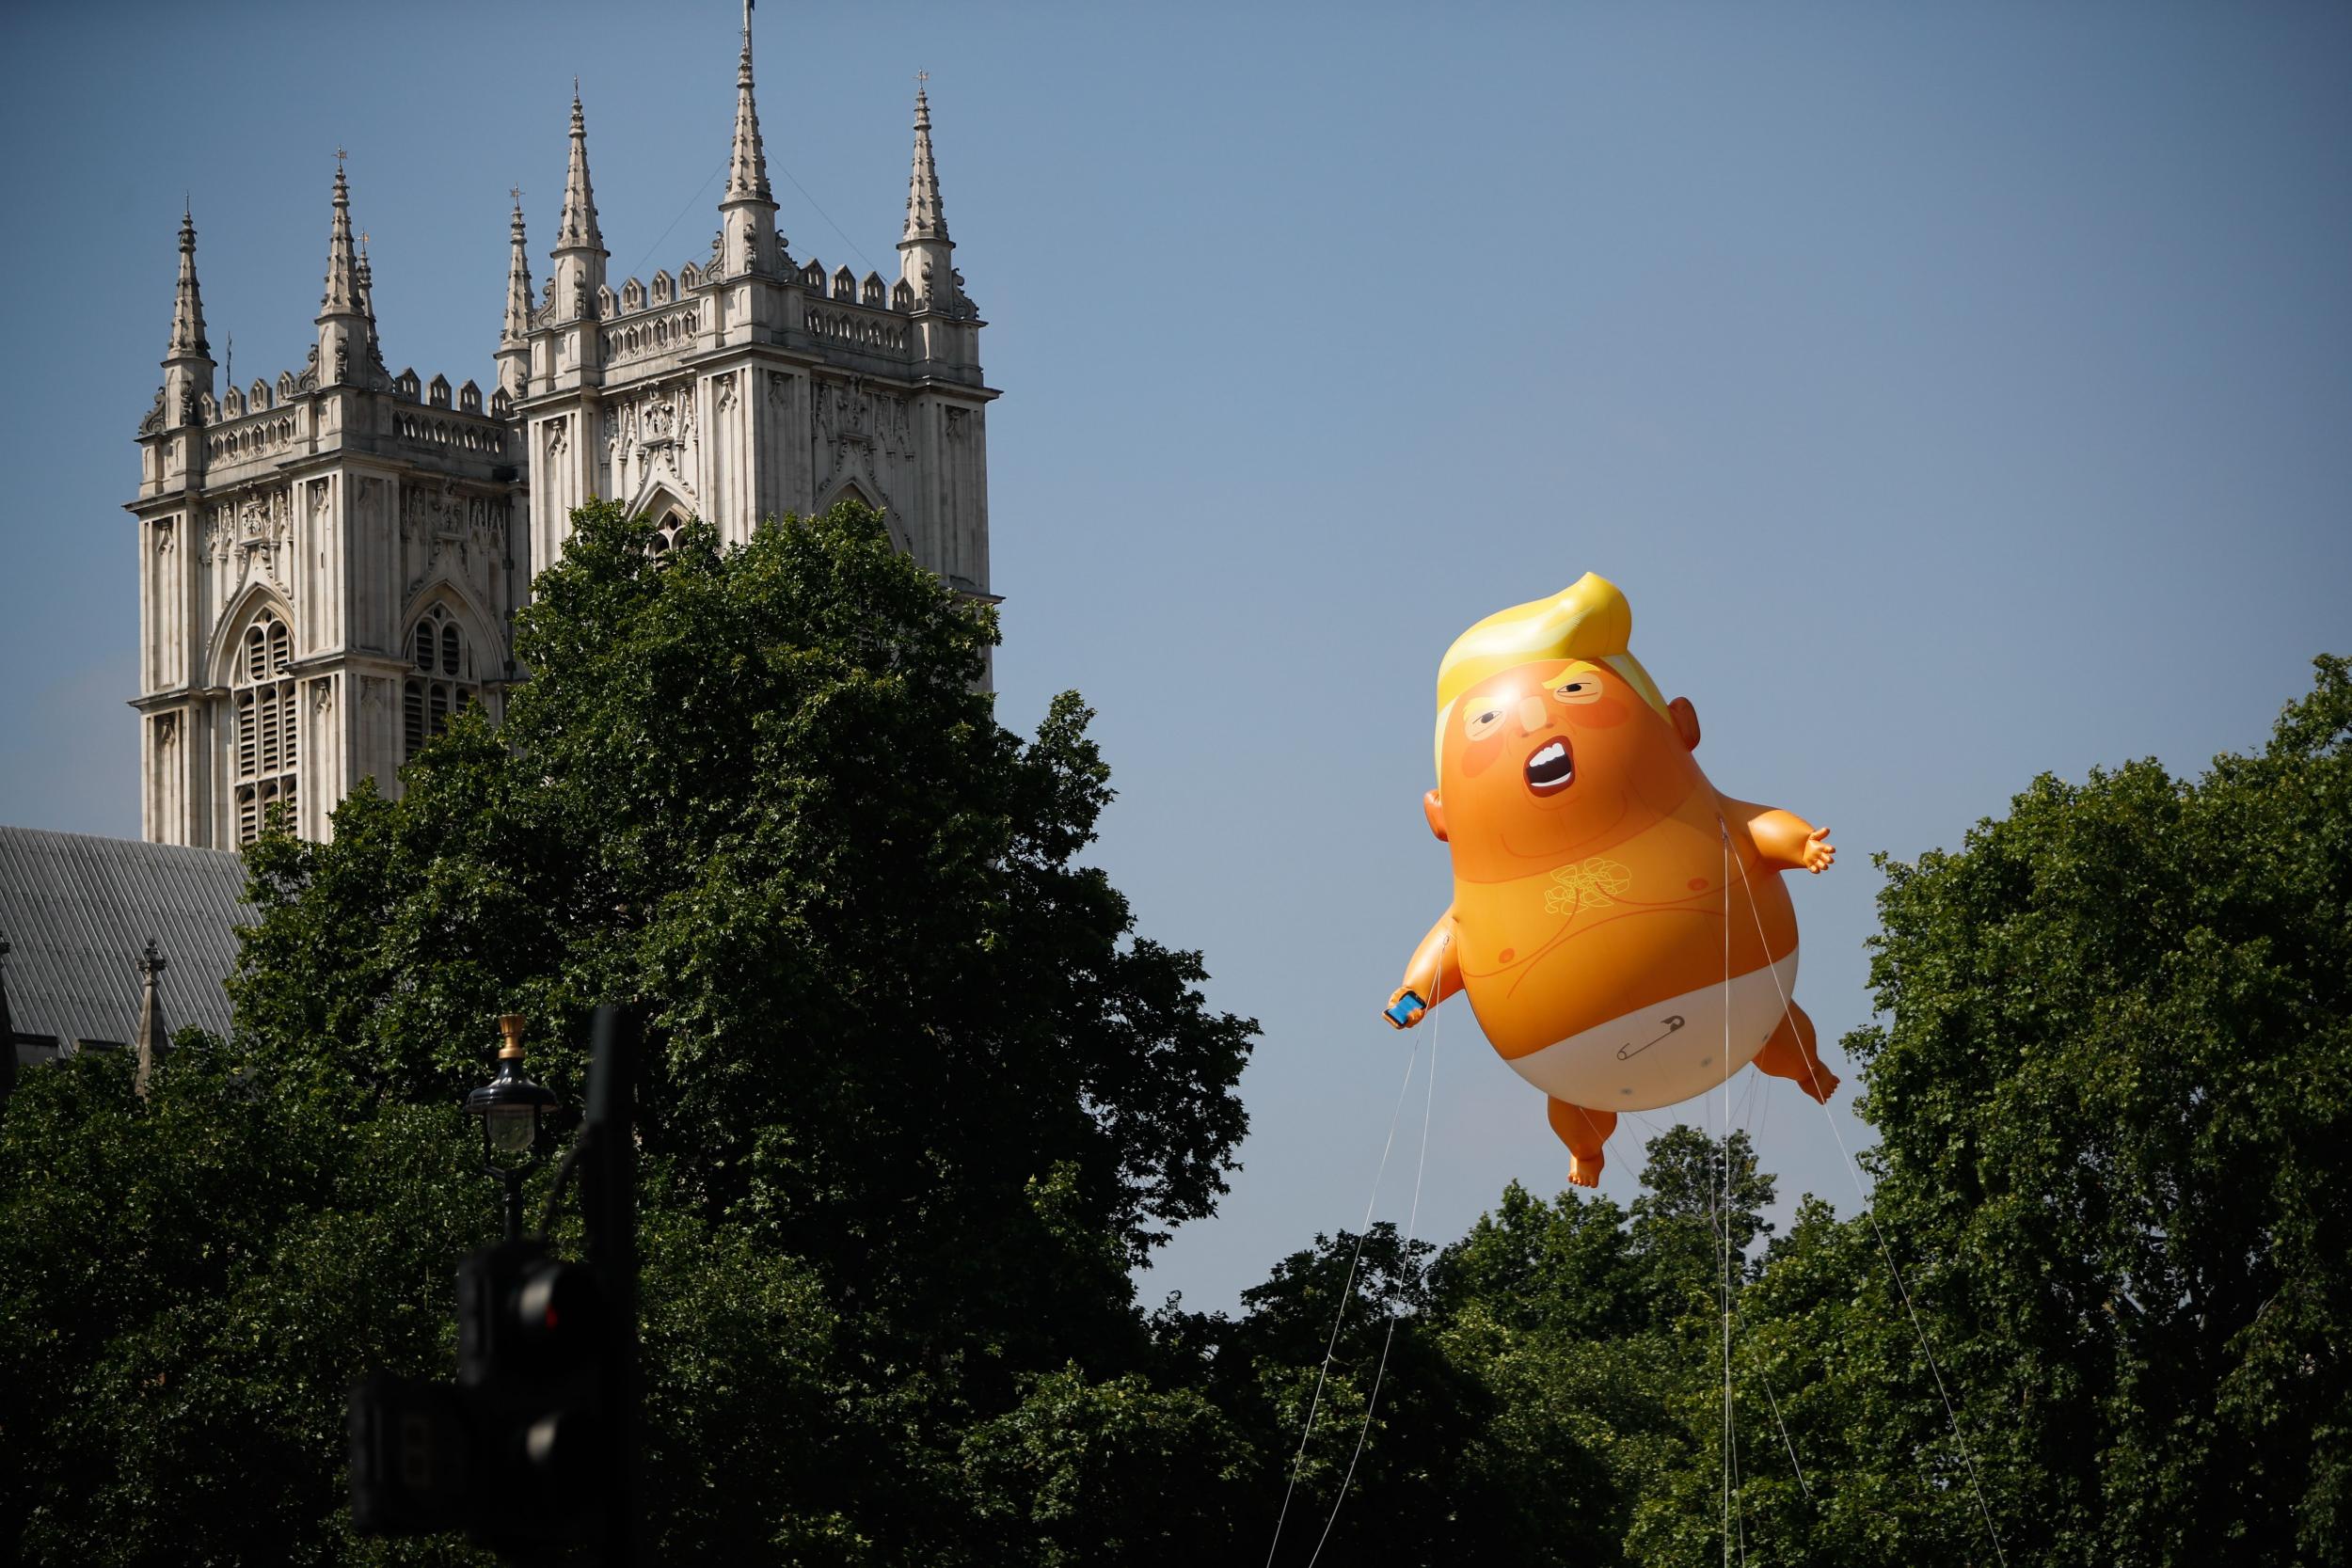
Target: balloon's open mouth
<point>1550,770</point>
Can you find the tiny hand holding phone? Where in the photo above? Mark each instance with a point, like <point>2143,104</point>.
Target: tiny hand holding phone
<point>1401,1011</point>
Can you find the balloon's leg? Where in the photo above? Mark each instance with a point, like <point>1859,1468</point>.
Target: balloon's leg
<point>1583,1131</point>
<point>1791,1054</point>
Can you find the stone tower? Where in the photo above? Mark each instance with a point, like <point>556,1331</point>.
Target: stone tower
<point>325,568</point>
<point>750,385</point>
<point>329,564</point>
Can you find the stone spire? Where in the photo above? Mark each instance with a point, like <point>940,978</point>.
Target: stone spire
<point>577,231</point>
<point>514,353</point>
<point>517,326</point>
<point>926,254</point>
<point>342,297</point>
<point>188,360</point>
<point>187,305</point>
<point>377,373</point>
<point>344,329</point>
<point>925,218</point>
<point>748,240</point>
<point>154,1041</point>
<point>747,166</point>
<point>579,254</point>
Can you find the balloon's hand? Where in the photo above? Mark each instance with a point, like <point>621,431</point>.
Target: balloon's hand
<point>1818,852</point>
<point>1404,1008</point>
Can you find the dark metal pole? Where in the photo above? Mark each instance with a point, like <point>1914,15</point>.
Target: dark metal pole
<point>514,1180</point>
<point>608,1170</point>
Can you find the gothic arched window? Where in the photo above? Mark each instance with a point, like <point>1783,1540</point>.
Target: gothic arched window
<point>267,750</point>
<point>666,532</point>
<point>440,679</point>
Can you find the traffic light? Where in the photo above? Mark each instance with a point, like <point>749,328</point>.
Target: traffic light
<point>530,1449</point>
<point>520,1449</point>
<point>533,1361</point>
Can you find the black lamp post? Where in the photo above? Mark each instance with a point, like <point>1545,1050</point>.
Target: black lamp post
<point>513,1111</point>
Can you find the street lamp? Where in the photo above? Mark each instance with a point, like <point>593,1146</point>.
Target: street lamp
<point>513,1110</point>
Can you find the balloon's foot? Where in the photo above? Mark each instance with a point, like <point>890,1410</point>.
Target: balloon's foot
<point>1582,1172</point>
<point>1820,1085</point>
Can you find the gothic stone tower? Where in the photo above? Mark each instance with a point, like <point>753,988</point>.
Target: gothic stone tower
<point>750,386</point>
<point>328,567</point>
<point>325,568</point>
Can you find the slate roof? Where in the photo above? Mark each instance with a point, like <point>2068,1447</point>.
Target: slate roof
<point>76,911</point>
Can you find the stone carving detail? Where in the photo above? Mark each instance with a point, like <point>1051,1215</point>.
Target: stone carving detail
<point>457,535</point>
<point>659,417</point>
<point>309,380</point>
<point>163,536</point>
<point>166,730</point>
<point>559,436</point>
<point>725,387</point>
<point>154,420</point>
<point>779,389</point>
<point>322,695</point>
<point>862,436</point>
<point>956,421</point>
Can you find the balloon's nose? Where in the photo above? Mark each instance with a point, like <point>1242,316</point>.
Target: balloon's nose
<point>1534,715</point>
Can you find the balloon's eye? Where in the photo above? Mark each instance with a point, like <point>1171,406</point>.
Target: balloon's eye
<point>1584,688</point>
<point>1480,722</point>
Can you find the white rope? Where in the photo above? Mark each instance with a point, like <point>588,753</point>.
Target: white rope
<point>1767,1382</point>
<point>1730,1435</point>
<point>1412,1221</point>
<point>1853,1172</point>
<point>1347,1291</point>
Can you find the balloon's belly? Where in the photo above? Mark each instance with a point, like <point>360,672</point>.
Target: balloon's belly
<point>1667,1050</point>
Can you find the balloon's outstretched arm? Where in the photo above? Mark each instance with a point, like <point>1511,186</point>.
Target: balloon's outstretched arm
<point>1784,841</point>
<point>1434,974</point>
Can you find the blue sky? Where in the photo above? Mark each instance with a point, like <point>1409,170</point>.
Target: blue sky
<point>1958,393</point>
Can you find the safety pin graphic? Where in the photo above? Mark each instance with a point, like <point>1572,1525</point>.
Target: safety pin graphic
<point>1629,1051</point>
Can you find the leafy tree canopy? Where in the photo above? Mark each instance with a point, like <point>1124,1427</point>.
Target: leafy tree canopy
<point>917,1097</point>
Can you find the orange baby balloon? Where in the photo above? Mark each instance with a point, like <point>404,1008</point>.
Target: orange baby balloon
<point>1621,928</point>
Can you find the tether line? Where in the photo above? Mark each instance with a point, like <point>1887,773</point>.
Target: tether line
<point>1730,1434</point>
<point>1347,1291</point>
<point>1412,1221</point>
<point>1853,1173</point>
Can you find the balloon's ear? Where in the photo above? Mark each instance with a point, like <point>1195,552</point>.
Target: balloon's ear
<point>1433,808</point>
<point>1686,720</point>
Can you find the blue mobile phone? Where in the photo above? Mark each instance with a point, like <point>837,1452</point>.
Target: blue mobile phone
<point>1406,1005</point>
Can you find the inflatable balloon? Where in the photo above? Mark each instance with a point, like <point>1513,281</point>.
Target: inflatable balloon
<point>1621,928</point>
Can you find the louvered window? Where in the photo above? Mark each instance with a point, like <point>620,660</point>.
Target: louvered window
<point>267,742</point>
<point>440,680</point>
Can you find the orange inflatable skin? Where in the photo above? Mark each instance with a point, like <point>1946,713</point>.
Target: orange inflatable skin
<point>1620,928</point>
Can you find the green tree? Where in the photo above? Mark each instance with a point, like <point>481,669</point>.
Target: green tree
<point>188,1285</point>
<point>916,1096</point>
<point>2112,1090</point>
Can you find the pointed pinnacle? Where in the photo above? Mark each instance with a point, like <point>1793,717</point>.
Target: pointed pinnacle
<point>187,304</point>
<point>747,161</point>
<point>927,218</point>
<point>342,296</point>
<point>578,230</point>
